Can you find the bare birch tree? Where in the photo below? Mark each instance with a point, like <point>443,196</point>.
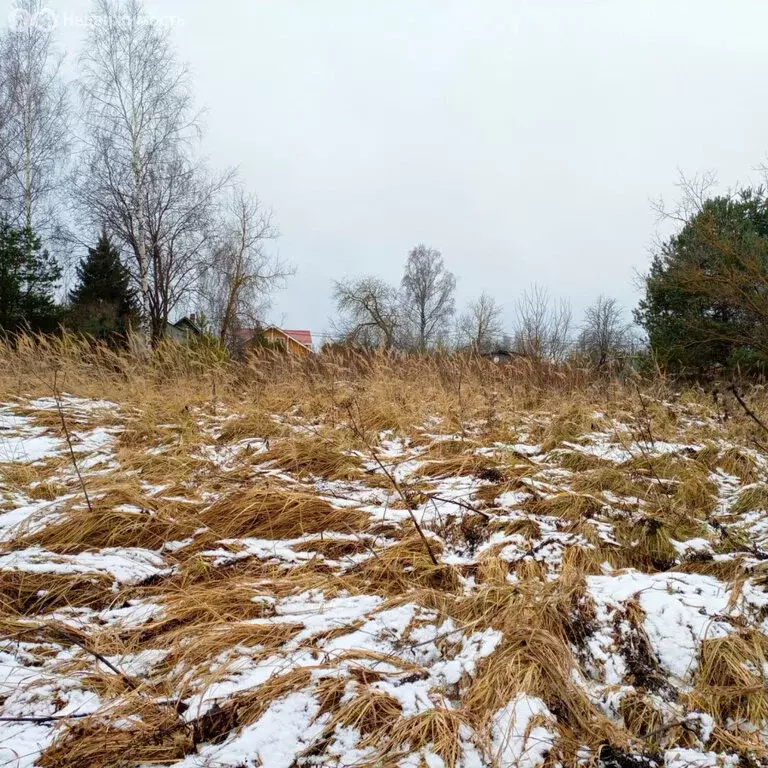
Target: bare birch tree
<point>480,327</point>
<point>243,274</point>
<point>428,295</point>
<point>139,119</point>
<point>35,131</point>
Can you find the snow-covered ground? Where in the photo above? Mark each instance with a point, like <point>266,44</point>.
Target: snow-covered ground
<point>602,600</point>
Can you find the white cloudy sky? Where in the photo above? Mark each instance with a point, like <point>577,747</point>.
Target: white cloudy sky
<point>523,138</point>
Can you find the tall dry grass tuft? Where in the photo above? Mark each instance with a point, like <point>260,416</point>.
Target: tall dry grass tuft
<point>307,456</point>
<point>122,516</point>
<point>731,685</point>
<point>209,452</point>
<point>274,512</point>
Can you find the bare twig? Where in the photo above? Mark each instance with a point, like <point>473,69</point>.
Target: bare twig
<point>752,415</point>
<point>406,500</point>
<point>647,417</point>
<point>461,407</point>
<point>42,720</point>
<point>533,550</point>
<point>69,440</point>
<point>668,727</point>
<point>55,632</point>
<point>462,505</point>
<point>445,635</point>
<point>649,438</point>
<point>134,686</point>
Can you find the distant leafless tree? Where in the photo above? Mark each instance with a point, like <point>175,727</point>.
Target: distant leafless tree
<point>34,134</point>
<point>181,205</point>
<point>561,328</point>
<point>480,327</point>
<point>605,334</point>
<point>543,329</point>
<point>428,295</point>
<point>139,121</point>
<point>242,275</point>
<point>370,312</point>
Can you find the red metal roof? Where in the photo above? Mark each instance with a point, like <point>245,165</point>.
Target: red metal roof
<point>303,337</point>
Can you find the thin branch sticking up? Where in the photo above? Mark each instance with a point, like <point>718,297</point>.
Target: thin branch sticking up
<point>61,633</point>
<point>43,720</point>
<point>462,505</point>
<point>752,415</point>
<point>69,440</point>
<point>405,499</point>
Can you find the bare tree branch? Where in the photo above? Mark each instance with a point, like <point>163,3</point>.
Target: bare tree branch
<point>543,328</point>
<point>605,335</point>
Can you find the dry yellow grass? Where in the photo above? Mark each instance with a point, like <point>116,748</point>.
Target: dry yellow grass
<point>182,474</point>
<point>122,516</point>
<point>752,499</point>
<point>317,455</point>
<point>272,512</point>
<point>29,594</point>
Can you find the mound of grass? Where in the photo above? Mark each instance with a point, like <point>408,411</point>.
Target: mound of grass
<point>307,456</point>
<point>370,712</point>
<point>646,545</point>
<point>730,686</point>
<point>333,549</point>
<point>617,481</point>
<point>751,499</point>
<point>569,506</point>
<point>121,517</point>
<point>273,512</point>
<point>640,716</point>
<point>438,729</point>
<point>463,465</point>
<point>253,424</point>
<point>405,566</point>
<point>576,461</point>
<point>30,594</point>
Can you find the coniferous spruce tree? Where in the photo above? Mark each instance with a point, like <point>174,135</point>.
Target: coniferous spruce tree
<point>103,304</point>
<point>706,295</point>
<point>28,277</point>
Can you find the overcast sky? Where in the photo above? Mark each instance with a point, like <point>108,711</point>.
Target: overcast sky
<point>523,138</point>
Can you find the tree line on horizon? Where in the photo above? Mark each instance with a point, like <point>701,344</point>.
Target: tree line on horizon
<point>420,314</point>
<point>103,182</point>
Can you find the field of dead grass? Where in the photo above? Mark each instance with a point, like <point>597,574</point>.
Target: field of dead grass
<point>375,561</point>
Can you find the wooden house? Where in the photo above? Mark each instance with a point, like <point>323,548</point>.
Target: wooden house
<point>297,343</point>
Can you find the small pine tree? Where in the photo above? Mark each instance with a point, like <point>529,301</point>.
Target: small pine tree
<point>103,304</point>
<point>705,302</point>
<point>28,277</point>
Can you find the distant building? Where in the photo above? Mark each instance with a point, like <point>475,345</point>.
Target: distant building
<point>184,330</point>
<point>501,356</point>
<point>297,343</point>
